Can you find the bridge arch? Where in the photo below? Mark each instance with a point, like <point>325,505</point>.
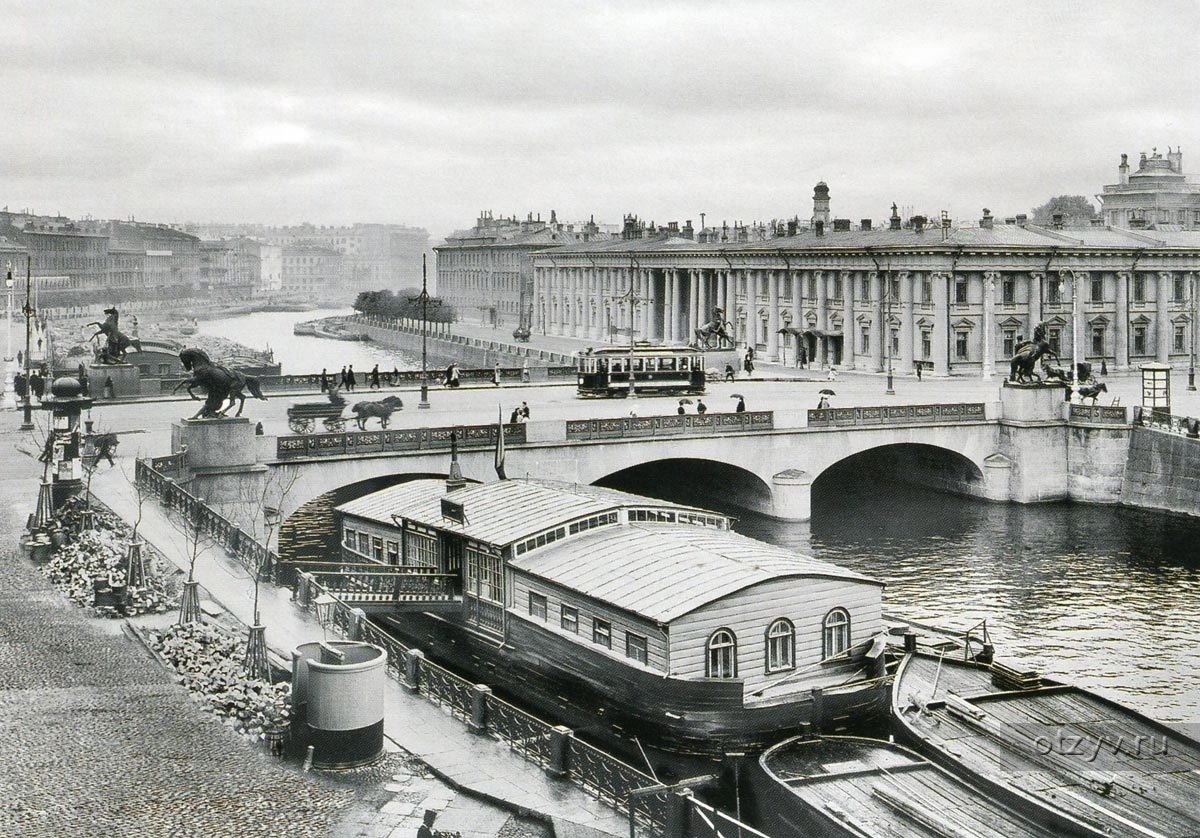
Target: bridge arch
<point>695,480</point>
<point>921,464</point>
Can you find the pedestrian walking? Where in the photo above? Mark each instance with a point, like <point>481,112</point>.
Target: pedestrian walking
<point>375,377</point>
<point>1104,367</point>
<point>681,411</point>
<point>701,408</point>
<point>920,366</point>
<point>105,443</point>
<point>351,378</point>
<point>748,363</point>
<point>823,404</point>
<point>452,375</point>
<point>20,358</point>
<point>729,373</point>
<point>525,410</point>
<point>37,384</point>
<point>110,389</point>
<point>343,384</point>
<point>395,376</point>
<point>741,405</point>
<point>324,380</point>
<point>832,375</point>
<point>20,385</point>
<point>525,371</point>
<point>496,374</point>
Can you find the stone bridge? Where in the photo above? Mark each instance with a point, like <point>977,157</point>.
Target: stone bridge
<point>1028,447</point>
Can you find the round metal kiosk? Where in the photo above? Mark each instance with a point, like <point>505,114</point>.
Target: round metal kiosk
<point>337,701</point>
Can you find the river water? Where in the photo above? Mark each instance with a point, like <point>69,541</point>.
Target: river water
<point>1103,597</point>
<point>306,354</point>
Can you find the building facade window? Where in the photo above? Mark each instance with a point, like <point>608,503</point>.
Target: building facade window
<point>420,550</point>
<point>1177,288</point>
<point>636,647</point>
<point>926,289</point>
<point>894,339</point>
<point>1054,338</point>
<point>1139,340</point>
<point>812,287</point>
<point>864,291</point>
<point>569,619</point>
<point>1010,342</point>
<point>894,288</point>
<point>1054,291</point>
<point>1008,290</point>
<point>1139,288</point>
<point>962,344</point>
<point>864,342</point>
<point>960,290</point>
<point>835,637</point>
<point>602,632</point>
<point>722,655</point>
<point>926,344</point>
<point>781,646</point>
<point>1097,289</point>
<point>1098,340</point>
<point>1178,345</point>
<point>537,605</point>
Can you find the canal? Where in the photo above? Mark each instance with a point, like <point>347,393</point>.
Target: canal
<point>1104,597</point>
<point>304,353</point>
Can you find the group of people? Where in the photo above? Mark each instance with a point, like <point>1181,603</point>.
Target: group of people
<point>34,384</point>
<point>519,415</point>
<point>348,379</point>
<point>701,407</point>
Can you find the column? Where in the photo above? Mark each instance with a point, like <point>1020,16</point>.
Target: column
<point>1080,285</point>
<point>571,304</point>
<point>753,290</point>
<point>721,292</point>
<point>731,303</point>
<point>691,284</point>
<point>941,324</point>
<point>702,297</point>
<point>848,325</point>
<point>1121,326</point>
<point>677,309</point>
<point>904,359</point>
<point>772,279</point>
<point>989,319</point>
<point>553,304</point>
<point>1163,327</point>
<point>650,316</point>
<point>797,311</point>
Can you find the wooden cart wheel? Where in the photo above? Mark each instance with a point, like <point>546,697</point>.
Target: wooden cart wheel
<point>296,424</point>
<point>335,424</point>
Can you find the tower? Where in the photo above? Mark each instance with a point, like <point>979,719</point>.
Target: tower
<point>820,204</point>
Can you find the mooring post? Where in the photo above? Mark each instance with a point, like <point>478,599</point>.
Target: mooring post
<point>560,744</point>
<point>479,703</point>
<point>412,669</point>
<point>677,813</point>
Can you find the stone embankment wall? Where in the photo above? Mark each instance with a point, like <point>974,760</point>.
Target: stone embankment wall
<point>470,352</point>
<point>1096,463</point>
<point>1163,472</point>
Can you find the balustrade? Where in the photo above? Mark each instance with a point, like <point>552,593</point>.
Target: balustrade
<point>399,439</point>
<point>913,414</point>
<point>686,424</point>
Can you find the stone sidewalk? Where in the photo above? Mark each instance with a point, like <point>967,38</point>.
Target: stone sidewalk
<point>479,766</point>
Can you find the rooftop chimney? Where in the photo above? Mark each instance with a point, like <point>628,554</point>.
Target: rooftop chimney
<point>688,230</point>
<point>819,226</point>
<point>918,223</point>
<point>1021,219</point>
<point>454,480</point>
<point>1175,158</point>
<point>1123,171</point>
<point>841,225</point>
<point>791,228</point>
<point>1010,220</point>
<point>987,221</point>
<point>865,224</point>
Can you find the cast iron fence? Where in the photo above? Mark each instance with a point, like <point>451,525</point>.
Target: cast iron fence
<point>398,439</point>
<point>909,414</point>
<point>690,424</point>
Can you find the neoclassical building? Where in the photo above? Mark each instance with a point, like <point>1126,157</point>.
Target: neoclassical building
<point>1158,195</point>
<point>957,299</point>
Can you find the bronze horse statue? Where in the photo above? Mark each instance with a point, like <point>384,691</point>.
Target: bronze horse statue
<point>381,410</point>
<point>1024,360</point>
<point>116,343</point>
<point>220,384</point>
<point>718,327</point>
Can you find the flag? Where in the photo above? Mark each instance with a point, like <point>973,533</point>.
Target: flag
<point>500,444</point>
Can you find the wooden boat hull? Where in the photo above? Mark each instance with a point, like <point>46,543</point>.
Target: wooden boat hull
<point>851,787</point>
<point>591,693</point>
<point>1083,764</point>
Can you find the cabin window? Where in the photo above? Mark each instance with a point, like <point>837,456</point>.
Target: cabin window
<point>377,549</point>
<point>393,553</point>
<point>781,646</point>
<point>602,632</point>
<point>836,636</point>
<point>364,544</point>
<point>635,647</point>
<point>569,619</point>
<point>537,605</point>
<point>722,655</point>
<point>420,550</point>
<point>350,539</point>
<point>484,577</point>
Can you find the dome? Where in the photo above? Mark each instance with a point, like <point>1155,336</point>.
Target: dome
<point>821,190</point>
<point>66,388</point>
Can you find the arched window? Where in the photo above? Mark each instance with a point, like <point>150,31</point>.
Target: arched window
<point>722,654</point>
<point>781,646</point>
<point>836,634</point>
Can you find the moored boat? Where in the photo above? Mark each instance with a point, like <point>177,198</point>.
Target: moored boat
<point>1077,759</point>
<point>680,631</point>
<point>852,787</point>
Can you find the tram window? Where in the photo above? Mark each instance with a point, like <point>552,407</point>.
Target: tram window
<point>666,363</point>
<point>638,366</point>
<point>617,366</point>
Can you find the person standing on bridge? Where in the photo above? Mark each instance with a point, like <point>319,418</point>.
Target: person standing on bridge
<point>395,382</point>
<point>496,374</point>
<point>351,378</point>
<point>748,363</point>
<point>342,386</point>
<point>524,411</point>
<point>375,378</point>
<point>324,380</point>
<point>701,408</point>
<point>729,373</point>
<point>741,405</point>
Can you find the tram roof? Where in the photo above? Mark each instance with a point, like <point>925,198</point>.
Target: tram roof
<point>497,513</point>
<point>663,571</point>
<point>638,349</point>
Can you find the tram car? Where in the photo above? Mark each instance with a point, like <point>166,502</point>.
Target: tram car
<point>662,370</point>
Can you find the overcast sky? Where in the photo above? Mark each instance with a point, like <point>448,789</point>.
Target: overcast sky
<point>425,113</point>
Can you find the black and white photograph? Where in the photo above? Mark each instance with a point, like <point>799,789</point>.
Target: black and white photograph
<point>582,420</point>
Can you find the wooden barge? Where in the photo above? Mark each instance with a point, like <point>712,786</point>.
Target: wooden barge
<point>850,787</point>
<point>1067,758</point>
<point>682,631</point>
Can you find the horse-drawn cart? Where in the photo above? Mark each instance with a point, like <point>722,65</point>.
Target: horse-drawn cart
<point>302,418</point>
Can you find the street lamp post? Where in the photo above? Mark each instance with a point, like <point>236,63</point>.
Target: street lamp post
<point>9,399</point>
<point>633,299</point>
<point>1192,342</point>
<point>29,312</point>
<point>425,300</point>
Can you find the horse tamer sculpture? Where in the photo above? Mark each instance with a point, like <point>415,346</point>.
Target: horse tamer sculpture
<point>1022,368</point>
<point>116,342</point>
<point>717,328</point>
<point>221,385</point>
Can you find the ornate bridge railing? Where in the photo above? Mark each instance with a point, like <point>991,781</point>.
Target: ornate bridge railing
<point>905,414</point>
<point>1099,414</point>
<point>395,439</point>
<point>171,465</point>
<point>632,427</point>
<point>552,747</point>
<point>211,524</point>
<point>1160,420</point>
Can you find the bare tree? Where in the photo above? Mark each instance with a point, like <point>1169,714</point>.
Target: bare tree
<point>190,521</point>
